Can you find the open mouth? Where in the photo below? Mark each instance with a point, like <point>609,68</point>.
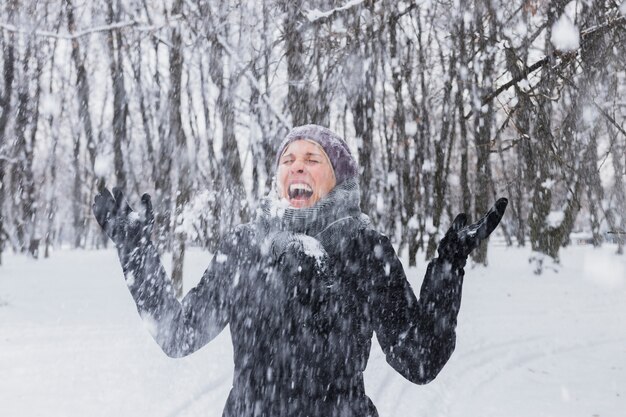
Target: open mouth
<point>300,191</point>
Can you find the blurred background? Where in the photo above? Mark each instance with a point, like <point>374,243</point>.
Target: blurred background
<point>447,105</point>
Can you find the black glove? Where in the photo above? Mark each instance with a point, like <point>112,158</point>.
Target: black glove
<point>125,227</point>
<point>460,240</point>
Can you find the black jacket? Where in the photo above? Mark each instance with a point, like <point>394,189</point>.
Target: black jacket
<point>302,325</point>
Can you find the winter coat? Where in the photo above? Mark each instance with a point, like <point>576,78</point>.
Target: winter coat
<point>301,326</point>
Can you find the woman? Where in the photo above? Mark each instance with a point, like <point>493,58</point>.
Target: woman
<point>303,287</point>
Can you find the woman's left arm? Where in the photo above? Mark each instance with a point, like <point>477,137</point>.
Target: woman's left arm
<point>418,336</point>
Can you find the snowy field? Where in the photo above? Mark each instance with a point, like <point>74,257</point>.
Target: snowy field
<point>72,344</point>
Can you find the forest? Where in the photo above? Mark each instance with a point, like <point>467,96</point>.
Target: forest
<point>447,105</point>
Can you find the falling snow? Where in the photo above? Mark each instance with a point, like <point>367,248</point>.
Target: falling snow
<point>555,218</point>
<point>565,35</point>
<point>312,247</point>
<point>445,109</point>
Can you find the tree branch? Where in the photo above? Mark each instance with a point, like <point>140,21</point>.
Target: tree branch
<point>75,35</point>
<point>9,160</point>
<point>597,106</point>
<point>255,83</point>
<point>316,15</point>
<point>566,57</point>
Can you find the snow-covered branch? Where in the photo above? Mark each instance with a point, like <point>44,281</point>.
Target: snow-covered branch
<point>75,35</point>
<point>606,25</point>
<point>565,58</point>
<point>314,15</point>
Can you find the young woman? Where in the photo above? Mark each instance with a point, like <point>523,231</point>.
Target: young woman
<point>303,287</point>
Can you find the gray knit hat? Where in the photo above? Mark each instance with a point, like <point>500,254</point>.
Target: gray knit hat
<point>335,147</point>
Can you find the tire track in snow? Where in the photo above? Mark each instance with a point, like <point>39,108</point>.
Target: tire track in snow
<point>392,387</point>
<point>485,367</point>
<point>523,360</point>
<point>482,366</point>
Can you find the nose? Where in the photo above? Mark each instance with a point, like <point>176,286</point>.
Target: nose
<point>297,166</point>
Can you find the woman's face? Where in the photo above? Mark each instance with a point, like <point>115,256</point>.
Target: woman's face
<point>305,174</point>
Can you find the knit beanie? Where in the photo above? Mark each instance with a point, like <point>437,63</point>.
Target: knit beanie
<point>335,147</point>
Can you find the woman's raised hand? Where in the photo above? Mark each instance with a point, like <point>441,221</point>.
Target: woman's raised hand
<point>124,226</point>
<point>460,240</point>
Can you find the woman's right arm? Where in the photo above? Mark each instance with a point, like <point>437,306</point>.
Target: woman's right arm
<point>180,328</point>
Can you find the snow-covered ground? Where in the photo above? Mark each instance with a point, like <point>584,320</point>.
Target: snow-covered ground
<point>72,344</point>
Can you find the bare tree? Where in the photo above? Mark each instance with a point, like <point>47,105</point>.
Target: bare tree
<point>22,178</point>
<point>120,101</point>
<point>8,75</point>
<point>361,99</point>
<point>484,117</point>
<point>177,136</point>
<point>298,96</point>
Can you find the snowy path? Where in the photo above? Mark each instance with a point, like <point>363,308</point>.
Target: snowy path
<point>71,344</point>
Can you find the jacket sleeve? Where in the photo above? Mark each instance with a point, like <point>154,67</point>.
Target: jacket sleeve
<point>181,328</point>
<point>417,336</point>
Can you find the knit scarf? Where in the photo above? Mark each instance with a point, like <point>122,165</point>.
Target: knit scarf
<point>327,221</point>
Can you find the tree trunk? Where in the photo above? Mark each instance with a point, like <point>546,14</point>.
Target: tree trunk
<point>548,238</point>
<point>177,136</point>
<point>524,151</point>
<point>298,99</point>
<point>163,188</point>
<point>595,191</point>
<point>402,159</point>
<point>231,208</point>
<point>619,212</point>
<point>147,117</point>
<point>462,75</point>
<point>361,99</point>
<point>120,105</point>
<point>51,206</point>
<point>22,176</point>
<point>8,74</point>
<point>82,84</point>
<point>484,121</point>
<point>30,203</point>
<point>441,156</point>
<point>422,117</point>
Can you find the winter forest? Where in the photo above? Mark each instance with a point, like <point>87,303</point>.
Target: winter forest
<point>446,106</point>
